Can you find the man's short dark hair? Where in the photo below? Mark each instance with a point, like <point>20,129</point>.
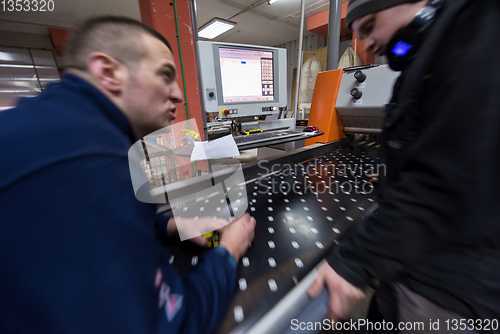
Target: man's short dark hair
<point>118,37</point>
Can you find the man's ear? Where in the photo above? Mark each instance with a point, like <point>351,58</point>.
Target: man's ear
<point>107,72</point>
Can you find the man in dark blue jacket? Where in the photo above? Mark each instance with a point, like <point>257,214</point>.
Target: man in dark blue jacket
<point>436,237</point>
<point>78,251</point>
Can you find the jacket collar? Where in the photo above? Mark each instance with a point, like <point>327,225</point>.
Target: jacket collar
<point>104,104</point>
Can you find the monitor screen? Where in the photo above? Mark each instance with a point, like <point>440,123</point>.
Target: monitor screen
<point>240,80</point>
<point>246,75</point>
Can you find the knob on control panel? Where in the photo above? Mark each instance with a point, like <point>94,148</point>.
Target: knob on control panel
<point>356,93</point>
<point>360,76</point>
<point>211,94</point>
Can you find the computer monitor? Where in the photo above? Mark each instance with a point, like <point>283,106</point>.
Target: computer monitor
<point>241,80</point>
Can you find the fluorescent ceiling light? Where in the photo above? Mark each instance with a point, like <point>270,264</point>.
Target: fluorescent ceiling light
<point>27,66</point>
<point>271,1</point>
<point>215,27</point>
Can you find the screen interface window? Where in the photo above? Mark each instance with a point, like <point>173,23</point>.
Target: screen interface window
<point>246,75</point>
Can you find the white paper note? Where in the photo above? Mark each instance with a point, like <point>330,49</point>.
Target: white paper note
<point>224,147</point>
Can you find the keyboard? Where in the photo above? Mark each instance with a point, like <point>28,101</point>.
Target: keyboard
<point>266,136</point>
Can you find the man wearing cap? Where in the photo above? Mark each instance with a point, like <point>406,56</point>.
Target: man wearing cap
<point>434,244</point>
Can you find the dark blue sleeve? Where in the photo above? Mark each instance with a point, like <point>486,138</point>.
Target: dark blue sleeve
<point>161,223</point>
<point>205,305</point>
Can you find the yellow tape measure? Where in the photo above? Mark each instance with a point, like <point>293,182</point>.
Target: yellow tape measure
<point>212,238</point>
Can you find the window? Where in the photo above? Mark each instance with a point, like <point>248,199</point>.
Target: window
<point>25,73</point>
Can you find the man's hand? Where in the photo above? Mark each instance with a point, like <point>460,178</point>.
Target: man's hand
<point>236,237</point>
<point>343,295</point>
<point>373,178</point>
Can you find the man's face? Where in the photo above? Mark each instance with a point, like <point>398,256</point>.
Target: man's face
<point>151,91</point>
<point>377,29</point>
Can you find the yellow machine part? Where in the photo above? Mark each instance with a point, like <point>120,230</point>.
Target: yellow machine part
<point>253,131</point>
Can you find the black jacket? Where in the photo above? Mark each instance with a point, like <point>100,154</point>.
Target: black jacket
<point>438,226</point>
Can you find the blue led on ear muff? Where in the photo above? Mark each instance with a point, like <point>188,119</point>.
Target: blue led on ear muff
<point>401,48</point>
<point>405,42</point>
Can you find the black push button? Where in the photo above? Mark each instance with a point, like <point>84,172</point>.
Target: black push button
<point>360,76</point>
<point>356,93</point>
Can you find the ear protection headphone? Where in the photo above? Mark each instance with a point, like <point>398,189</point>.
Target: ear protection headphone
<point>404,44</point>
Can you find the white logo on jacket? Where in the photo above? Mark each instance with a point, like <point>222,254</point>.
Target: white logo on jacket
<point>172,302</point>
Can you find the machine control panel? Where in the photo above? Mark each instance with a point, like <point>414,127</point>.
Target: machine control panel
<point>226,112</point>
<point>362,96</point>
<point>271,108</point>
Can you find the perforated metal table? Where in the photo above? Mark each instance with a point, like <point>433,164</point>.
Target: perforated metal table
<point>303,204</point>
